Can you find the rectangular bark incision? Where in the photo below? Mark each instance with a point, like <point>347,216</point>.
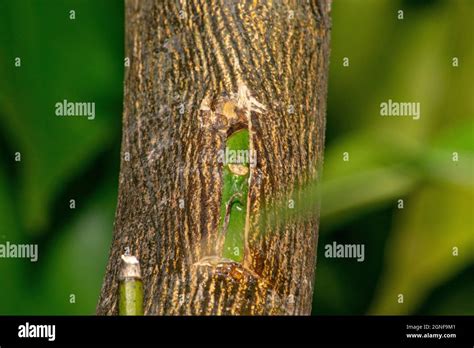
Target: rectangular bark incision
<point>230,117</point>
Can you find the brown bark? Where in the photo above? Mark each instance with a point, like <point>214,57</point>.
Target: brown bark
<point>199,70</point>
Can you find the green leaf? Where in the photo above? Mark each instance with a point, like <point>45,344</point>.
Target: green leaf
<point>60,59</point>
<point>11,270</point>
<point>420,251</point>
<point>75,261</point>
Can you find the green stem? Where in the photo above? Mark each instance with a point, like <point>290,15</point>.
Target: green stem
<point>234,195</point>
<point>131,287</point>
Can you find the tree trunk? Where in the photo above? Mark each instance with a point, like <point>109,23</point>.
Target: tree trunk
<point>199,71</point>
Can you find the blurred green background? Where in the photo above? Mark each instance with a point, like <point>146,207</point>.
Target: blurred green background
<point>408,251</point>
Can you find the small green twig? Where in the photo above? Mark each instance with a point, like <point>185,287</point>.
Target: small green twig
<point>131,287</point>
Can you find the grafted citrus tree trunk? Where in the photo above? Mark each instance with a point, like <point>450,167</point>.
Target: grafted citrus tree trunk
<point>224,115</point>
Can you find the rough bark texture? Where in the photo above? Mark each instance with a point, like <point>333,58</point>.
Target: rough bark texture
<point>200,69</point>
